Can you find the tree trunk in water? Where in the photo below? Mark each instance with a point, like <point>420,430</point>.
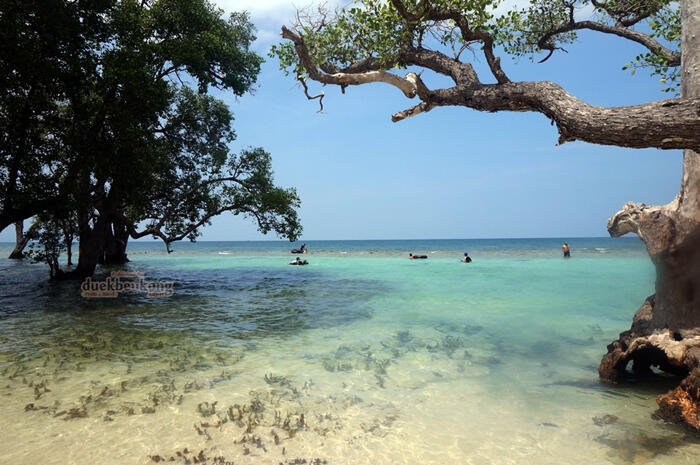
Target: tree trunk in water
<point>90,249</point>
<point>20,241</point>
<point>116,239</point>
<point>69,249</point>
<point>665,331</point>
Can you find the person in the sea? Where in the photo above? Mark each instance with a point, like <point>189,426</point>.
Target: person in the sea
<point>566,250</point>
<point>298,261</point>
<point>467,258</point>
<point>301,249</point>
<point>412,257</point>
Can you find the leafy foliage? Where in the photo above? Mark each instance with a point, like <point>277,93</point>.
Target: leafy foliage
<point>666,26</point>
<point>49,243</point>
<point>45,56</point>
<point>375,30</point>
<point>104,112</point>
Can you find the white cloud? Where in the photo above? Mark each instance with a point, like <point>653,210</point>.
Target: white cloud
<point>582,12</point>
<point>274,11</point>
<point>269,15</point>
<point>585,12</point>
<point>267,35</point>
<point>507,5</point>
<point>263,8</point>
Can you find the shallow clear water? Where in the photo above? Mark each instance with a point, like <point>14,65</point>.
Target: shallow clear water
<point>361,357</point>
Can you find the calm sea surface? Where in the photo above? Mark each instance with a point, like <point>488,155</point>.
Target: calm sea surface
<point>361,357</point>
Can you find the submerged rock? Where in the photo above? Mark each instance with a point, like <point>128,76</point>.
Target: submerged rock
<point>75,413</point>
<point>632,446</point>
<point>605,420</point>
<point>681,404</point>
<point>207,410</point>
<point>675,352</point>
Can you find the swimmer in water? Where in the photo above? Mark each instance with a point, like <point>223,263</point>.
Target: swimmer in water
<point>467,258</point>
<point>566,250</point>
<point>301,249</point>
<point>412,257</point>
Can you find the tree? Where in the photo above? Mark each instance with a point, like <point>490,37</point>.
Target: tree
<point>369,41</point>
<point>49,245</point>
<point>43,60</point>
<point>127,134</point>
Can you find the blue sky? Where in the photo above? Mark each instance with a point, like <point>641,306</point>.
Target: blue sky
<point>451,173</point>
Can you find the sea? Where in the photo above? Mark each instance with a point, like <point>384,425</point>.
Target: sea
<point>360,357</point>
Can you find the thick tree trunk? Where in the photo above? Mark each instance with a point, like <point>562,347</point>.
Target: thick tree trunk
<point>90,249</point>
<point>69,249</point>
<point>116,239</point>
<point>666,330</point>
<point>20,241</point>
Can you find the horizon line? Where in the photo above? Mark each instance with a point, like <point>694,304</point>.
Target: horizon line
<point>402,239</point>
<point>394,239</point>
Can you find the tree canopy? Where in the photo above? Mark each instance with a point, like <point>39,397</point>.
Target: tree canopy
<point>105,117</point>
<point>371,40</point>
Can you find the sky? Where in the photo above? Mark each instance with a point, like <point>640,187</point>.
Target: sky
<point>450,173</point>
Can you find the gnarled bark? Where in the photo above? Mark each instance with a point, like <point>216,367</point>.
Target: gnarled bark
<point>665,331</point>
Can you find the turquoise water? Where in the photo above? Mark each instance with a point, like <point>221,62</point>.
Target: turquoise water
<point>361,357</point>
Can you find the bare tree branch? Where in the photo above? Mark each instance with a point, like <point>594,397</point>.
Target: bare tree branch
<point>546,42</point>
<point>346,79</point>
<point>461,73</point>
<point>155,230</point>
<point>422,107</point>
<point>319,96</point>
<point>665,124</point>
